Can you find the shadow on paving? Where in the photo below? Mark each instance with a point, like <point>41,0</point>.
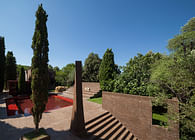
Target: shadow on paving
<point>9,132</point>
<point>106,126</point>
<point>3,114</point>
<point>102,127</point>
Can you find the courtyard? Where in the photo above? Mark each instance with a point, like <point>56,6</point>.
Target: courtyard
<point>100,124</point>
<point>56,122</point>
<point>97,70</point>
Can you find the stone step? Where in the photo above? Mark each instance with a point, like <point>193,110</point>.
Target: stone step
<point>89,93</point>
<point>130,136</point>
<point>71,89</point>
<point>117,133</point>
<point>107,127</point>
<point>124,135</point>
<point>85,95</point>
<point>70,95</point>
<point>111,131</point>
<point>98,123</point>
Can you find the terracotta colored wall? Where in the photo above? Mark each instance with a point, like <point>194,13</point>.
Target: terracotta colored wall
<point>135,112</point>
<point>172,132</point>
<point>94,86</point>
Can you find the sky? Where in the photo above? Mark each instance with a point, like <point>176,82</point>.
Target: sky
<point>79,27</point>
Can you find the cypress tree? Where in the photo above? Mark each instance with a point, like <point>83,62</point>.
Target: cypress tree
<point>107,70</point>
<point>39,66</point>
<point>10,68</point>
<point>2,63</point>
<point>21,81</point>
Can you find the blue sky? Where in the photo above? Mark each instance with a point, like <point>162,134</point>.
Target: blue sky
<point>79,27</point>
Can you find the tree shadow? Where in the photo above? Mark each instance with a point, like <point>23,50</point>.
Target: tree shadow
<point>9,132</point>
<point>105,125</point>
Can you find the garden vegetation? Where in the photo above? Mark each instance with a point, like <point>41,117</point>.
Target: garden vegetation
<point>39,66</point>
<point>160,76</point>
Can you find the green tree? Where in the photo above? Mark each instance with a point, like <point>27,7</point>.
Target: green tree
<point>174,76</point>
<point>64,76</point>
<point>187,120</point>
<point>40,66</point>
<point>184,42</point>
<point>21,81</point>
<point>10,68</point>
<point>2,63</point>
<point>56,68</point>
<point>136,74</point>
<point>107,71</point>
<point>71,78</point>
<point>60,78</point>
<point>91,68</point>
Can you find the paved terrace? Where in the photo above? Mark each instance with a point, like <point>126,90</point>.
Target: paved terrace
<point>100,123</point>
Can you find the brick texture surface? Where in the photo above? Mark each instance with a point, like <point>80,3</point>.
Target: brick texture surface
<point>135,112</point>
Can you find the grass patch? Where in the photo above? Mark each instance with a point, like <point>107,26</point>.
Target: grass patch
<point>36,135</point>
<point>96,100</point>
<point>159,119</point>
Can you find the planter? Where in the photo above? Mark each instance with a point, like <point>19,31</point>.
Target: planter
<point>41,135</point>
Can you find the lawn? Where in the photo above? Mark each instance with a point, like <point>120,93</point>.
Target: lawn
<point>159,119</point>
<point>96,100</point>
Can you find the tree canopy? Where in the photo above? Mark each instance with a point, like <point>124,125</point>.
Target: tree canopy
<point>107,71</point>
<point>10,68</point>
<point>65,76</point>
<point>39,66</point>
<point>136,74</point>
<point>174,76</point>
<point>184,42</point>
<point>91,68</point>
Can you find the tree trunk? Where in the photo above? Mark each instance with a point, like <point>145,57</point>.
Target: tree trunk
<point>37,127</point>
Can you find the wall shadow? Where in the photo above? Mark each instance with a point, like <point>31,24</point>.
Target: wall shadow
<point>102,127</point>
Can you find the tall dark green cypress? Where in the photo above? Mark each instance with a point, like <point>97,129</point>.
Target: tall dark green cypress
<point>10,67</point>
<point>2,63</point>
<point>107,70</point>
<point>21,81</point>
<point>40,66</point>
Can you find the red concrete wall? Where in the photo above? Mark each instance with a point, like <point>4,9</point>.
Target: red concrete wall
<point>135,112</point>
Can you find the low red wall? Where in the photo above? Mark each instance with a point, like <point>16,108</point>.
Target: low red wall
<point>135,112</point>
